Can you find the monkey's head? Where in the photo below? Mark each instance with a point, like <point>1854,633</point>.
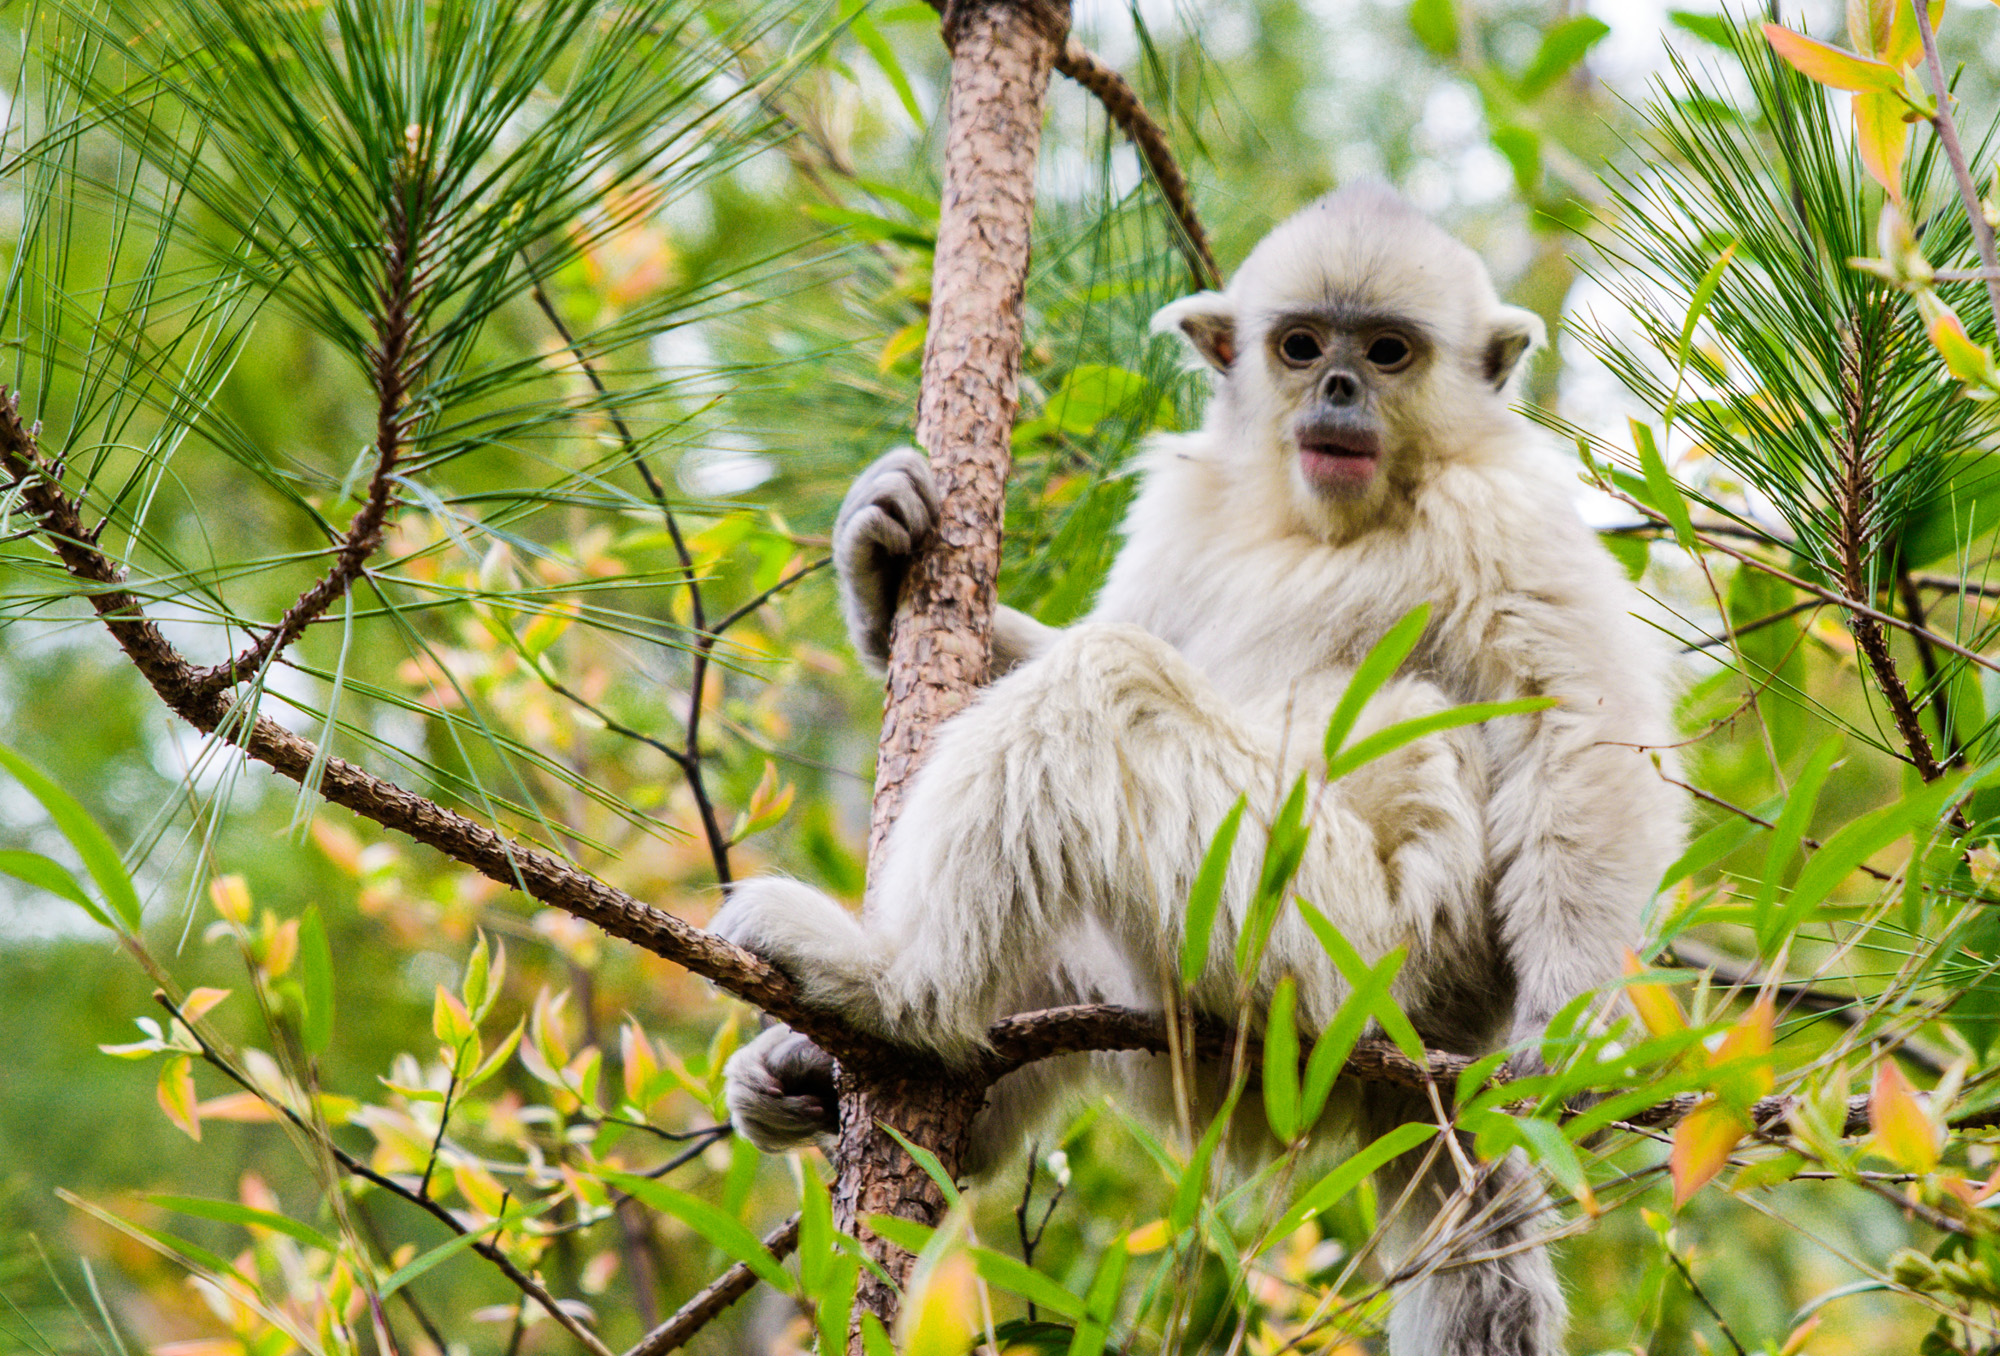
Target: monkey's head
<point>1358,346</point>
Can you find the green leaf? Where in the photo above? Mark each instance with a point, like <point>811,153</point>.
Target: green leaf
<point>1284,849</point>
<point>1704,293</point>
<point>1435,22</point>
<point>1376,668</point>
<point>316,981</point>
<point>878,47</point>
<point>230,1212</point>
<point>906,1234</point>
<point>1523,148</point>
<point>1393,737</point>
<point>44,874</point>
<point>1334,1187</point>
<point>1194,1178</point>
<point>1206,896</point>
<point>1705,851</point>
<point>874,1338</point>
<point>1962,506</point>
<point>1786,833</point>
<point>1333,1045</point>
<point>1101,1303</point>
<point>1359,976</point>
<point>729,1234</point>
<point>100,858</point>
<point>926,1160</point>
<point>1281,1062</point>
<point>1855,842</point>
<point>1710,28</point>
<point>1017,1278</point>
<point>450,1248</point>
<point>1562,47</point>
<point>1661,491</point>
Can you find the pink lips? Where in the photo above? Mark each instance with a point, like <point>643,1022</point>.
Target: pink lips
<point>1346,464</point>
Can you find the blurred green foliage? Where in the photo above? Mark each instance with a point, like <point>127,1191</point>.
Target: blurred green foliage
<point>747,270</point>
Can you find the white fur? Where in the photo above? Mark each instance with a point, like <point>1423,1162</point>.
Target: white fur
<point>1048,844</point>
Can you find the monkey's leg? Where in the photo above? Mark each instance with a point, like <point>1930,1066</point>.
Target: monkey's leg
<point>1077,796</point>
<point>1509,1304</point>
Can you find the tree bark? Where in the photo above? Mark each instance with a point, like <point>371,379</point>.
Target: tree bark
<point>1002,53</point>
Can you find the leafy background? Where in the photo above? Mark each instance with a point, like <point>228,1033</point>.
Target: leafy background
<point>756,305</point>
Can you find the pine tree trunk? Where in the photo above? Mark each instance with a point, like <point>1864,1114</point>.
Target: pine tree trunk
<point>1002,53</point>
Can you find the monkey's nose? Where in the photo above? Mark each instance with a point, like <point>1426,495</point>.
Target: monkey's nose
<point>1342,388</point>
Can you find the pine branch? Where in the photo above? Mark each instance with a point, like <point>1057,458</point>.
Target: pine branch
<point>709,1304</point>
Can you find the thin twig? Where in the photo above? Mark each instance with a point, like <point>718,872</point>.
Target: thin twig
<point>395,364</point>
<point>1688,1278</point>
<point>1730,635</point>
<point>1838,599</point>
<point>731,1286</point>
<point>1946,128</point>
<point>690,759</point>
<point>1121,102</point>
<point>526,1284</point>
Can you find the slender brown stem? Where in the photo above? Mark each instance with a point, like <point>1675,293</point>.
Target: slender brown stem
<point>395,365</point>
<point>731,1286</point>
<point>1121,103</point>
<point>1946,128</point>
<point>525,1283</point>
<point>1934,683</point>
<point>689,758</point>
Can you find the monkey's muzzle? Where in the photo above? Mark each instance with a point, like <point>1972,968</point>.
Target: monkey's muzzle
<point>1341,462</point>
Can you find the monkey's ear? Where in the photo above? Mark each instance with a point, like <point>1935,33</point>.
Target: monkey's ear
<point>1206,320</point>
<point>1514,333</point>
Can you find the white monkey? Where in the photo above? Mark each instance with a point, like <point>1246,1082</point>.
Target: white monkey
<point>1359,457</point>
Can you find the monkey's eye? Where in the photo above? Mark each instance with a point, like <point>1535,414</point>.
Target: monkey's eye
<point>1300,348</point>
<point>1391,353</point>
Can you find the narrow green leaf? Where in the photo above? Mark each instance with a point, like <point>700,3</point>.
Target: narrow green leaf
<point>834,1302</point>
<point>816,1252</point>
<point>906,1234</point>
<point>1358,974</point>
<point>926,1160</point>
<point>1101,1303</point>
<point>100,858</point>
<point>316,981</point>
<point>1376,668</point>
<point>875,1338</point>
<point>1194,1179</point>
<point>1333,1045</point>
<point>878,47</point>
<point>230,1212</point>
<point>445,1251</point>
<point>1206,896</point>
<point>1562,47</point>
<point>1017,1278</point>
<point>1393,737</point>
<point>729,1234</point>
<point>1281,1062</point>
<point>1713,845</point>
<point>1334,1187</point>
<point>1791,826</point>
<point>1855,842</point>
<point>1284,849</point>
<point>1704,293</point>
<point>45,874</point>
<point>1660,487</point>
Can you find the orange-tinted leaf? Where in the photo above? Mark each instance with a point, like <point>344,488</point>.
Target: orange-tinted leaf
<point>1905,46</point>
<point>200,1001</point>
<point>1966,360</point>
<point>1882,138</point>
<point>1654,1003</point>
<point>247,1107</point>
<point>1832,66</point>
<point>1869,23</point>
<point>231,898</point>
<point>1800,1335</point>
<point>1702,1143</point>
<point>1750,1039</point>
<point>1904,1131</point>
<point>177,1095</point>
<point>1148,1238</point>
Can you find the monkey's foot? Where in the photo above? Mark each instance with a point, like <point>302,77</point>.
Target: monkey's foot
<point>780,1091</point>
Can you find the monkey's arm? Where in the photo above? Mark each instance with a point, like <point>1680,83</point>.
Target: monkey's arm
<point>888,512</point>
<point>1580,820</point>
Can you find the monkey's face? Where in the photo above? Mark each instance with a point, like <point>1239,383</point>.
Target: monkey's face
<point>1342,372</point>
